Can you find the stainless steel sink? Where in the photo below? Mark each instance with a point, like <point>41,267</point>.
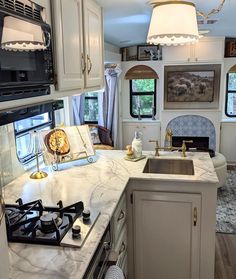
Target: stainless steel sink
<point>169,166</point>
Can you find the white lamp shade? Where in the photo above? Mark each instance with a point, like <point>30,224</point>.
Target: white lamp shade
<point>173,23</point>
<point>21,35</point>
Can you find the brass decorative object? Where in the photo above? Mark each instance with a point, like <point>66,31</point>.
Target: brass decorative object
<point>170,147</point>
<point>36,146</point>
<point>57,142</point>
<point>67,144</point>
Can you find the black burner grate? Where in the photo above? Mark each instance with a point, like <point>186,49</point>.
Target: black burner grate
<point>24,224</point>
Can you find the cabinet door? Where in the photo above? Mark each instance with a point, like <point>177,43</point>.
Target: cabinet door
<point>206,50</point>
<point>177,53</point>
<point>128,132</point>
<point>166,237</point>
<point>93,34</point>
<point>68,37</point>
<point>150,132</point>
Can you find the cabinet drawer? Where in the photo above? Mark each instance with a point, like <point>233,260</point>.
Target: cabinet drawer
<point>119,218</point>
<point>121,246</point>
<point>124,266</point>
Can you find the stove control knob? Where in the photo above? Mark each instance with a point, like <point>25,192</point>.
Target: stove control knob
<point>76,230</point>
<point>86,215</point>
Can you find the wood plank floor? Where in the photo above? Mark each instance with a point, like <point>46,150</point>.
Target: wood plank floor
<point>225,267</point>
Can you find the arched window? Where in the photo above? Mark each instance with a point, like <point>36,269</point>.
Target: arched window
<point>142,81</point>
<point>230,104</point>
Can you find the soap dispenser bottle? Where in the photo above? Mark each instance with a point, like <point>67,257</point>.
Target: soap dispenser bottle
<point>137,145</point>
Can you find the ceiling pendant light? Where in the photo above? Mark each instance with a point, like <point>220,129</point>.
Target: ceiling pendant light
<point>173,23</point>
<point>20,35</point>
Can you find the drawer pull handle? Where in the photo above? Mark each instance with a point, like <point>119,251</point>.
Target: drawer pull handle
<point>195,217</point>
<point>122,248</point>
<point>107,246</point>
<point>90,64</point>
<point>121,216</point>
<point>83,63</point>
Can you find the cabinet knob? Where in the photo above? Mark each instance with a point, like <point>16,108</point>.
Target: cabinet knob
<point>122,248</point>
<point>121,216</point>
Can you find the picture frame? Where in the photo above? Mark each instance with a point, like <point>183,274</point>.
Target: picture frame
<point>230,47</point>
<point>192,86</point>
<point>149,52</point>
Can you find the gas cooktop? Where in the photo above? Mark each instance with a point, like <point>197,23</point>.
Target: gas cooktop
<point>34,223</point>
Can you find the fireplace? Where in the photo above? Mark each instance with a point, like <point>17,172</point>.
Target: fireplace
<point>198,144</point>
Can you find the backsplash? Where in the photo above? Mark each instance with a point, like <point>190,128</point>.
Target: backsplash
<point>10,167</point>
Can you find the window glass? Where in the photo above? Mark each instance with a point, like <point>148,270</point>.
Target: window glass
<point>91,107</point>
<point>143,98</point>
<point>143,85</point>
<point>232,81</point>
<point>23,129</point>
<point>146,103</point>
<point>31,122</point>
<point>23,146</point>
<point>230,105</point>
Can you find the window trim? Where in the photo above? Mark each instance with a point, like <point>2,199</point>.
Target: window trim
<point>154,93</point>
<point>226,97</point>
<point>90,98</point>
<point>30,157</point>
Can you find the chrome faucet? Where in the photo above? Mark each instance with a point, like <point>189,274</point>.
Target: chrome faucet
<point>168,138</point>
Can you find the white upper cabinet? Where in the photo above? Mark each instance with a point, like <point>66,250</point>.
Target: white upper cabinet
<point>93,28</point>
<point>207,49</point>
<point>68,36</point>
<point>78,37</point>
<point>211,49</point>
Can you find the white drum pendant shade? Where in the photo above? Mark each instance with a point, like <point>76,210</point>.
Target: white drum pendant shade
<point>21,35</point>
<point>173,23</point>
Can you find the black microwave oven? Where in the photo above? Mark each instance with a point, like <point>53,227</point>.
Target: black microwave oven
<point>26,62</point>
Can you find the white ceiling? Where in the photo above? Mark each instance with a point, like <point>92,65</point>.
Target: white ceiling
<point>126,21</point>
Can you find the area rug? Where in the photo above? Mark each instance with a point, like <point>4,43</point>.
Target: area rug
<point>226,205</point>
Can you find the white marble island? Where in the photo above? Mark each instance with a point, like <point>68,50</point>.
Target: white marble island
<point>99,185</point>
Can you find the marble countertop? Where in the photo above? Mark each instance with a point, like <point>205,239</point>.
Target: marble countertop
<point>99,185</point>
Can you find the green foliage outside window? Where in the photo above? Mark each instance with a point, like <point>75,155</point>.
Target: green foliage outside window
<point>143,85</point>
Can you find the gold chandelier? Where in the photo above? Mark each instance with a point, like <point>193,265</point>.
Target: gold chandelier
<point>175,22</point>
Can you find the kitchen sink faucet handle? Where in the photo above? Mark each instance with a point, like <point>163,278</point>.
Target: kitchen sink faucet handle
<point>156,147</point>
<point>184,147</point>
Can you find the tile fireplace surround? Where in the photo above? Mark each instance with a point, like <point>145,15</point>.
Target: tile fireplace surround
<point>195,126</point>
